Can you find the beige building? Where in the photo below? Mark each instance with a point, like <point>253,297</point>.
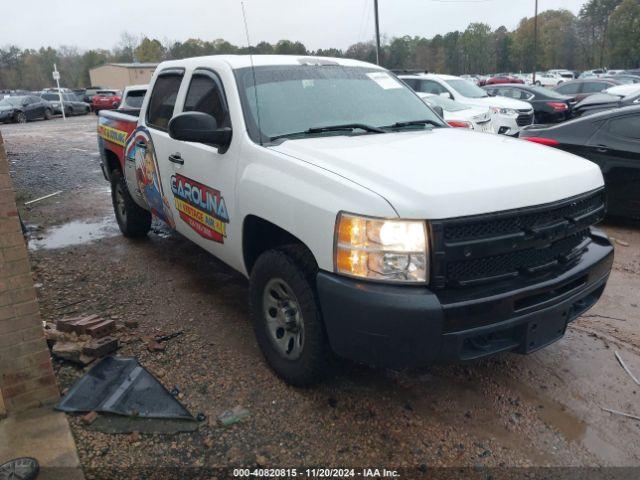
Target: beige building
<point>120,75</point>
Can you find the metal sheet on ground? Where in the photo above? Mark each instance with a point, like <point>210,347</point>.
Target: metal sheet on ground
<point>122,386</point>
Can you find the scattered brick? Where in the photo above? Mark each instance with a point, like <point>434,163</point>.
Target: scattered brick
<point>89,418</point>
<point>102,329</point>
<point>130,323</point>
<point>101,347</point>
<point>154,346</point>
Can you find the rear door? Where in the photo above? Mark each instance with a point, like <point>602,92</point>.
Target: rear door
<point>616,150</point>
<point>202,182</point>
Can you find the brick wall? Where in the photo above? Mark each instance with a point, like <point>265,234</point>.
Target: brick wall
<point>26,376</point>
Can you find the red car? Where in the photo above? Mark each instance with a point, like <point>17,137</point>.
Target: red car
<point>106,100</point>
<point>503,78</point>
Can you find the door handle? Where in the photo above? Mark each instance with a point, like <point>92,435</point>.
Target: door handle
<point>602,148</point>
<point>176,158</point>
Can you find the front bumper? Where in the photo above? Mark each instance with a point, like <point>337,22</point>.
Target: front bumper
<point>403,327</point>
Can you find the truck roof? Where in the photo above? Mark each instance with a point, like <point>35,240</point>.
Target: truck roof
<point>242,61</point>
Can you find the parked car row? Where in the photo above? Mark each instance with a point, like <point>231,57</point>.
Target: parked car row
<point>597,118</point>
<point>508,115</point>
<point>24,108</point>
<point>72,105</point>
<point>609,138</point>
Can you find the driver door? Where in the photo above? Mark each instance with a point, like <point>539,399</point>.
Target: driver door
<point>202,177</point>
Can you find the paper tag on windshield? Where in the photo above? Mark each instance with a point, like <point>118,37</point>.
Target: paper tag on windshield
<point>385,80</point>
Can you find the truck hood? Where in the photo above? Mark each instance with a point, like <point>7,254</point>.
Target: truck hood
<point>447,172</point>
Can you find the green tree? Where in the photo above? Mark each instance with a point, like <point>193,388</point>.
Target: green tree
<point>624,35</point>
<point>594,16</point>
<point>502,45</point>
<point>287,47</point>
<point>149,50</point>
<point>477,53</point>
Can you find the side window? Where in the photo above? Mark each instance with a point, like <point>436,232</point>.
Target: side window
<point>509,92</point>
<point>594,87</point>
<point>569,89</point>
<point>628,127</point>
<point>163,100</point>
<point>429,86</point>
<point>412,82</point>
<point>205,95</point>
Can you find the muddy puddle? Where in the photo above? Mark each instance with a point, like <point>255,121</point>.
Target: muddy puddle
<point>75,233</point>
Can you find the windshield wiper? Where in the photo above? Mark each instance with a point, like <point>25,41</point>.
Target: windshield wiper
<point>347,127</point>
<point>413,123</point>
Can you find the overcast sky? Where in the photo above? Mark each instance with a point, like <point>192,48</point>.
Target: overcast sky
<point>318,24</point>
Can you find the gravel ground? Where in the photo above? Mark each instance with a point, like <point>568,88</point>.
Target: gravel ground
<point>539,410</point>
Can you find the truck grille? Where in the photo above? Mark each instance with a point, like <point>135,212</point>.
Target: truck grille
<point>525,118</point>
<point>527,242</point>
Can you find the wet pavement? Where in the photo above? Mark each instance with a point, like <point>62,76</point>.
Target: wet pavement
<point>540,410</point>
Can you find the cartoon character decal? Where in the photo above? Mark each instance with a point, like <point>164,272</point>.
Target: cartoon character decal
<point>140,150</point>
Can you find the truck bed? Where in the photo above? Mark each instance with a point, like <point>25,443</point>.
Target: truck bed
<point>114,129</point>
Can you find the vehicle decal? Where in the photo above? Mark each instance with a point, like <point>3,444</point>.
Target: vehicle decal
<point>201,207</point>
<point>112,135</point>
<point>140,149</point>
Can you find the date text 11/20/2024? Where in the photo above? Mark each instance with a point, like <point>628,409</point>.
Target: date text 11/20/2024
<point>316,473</point>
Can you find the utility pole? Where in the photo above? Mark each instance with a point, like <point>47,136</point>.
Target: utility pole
<point>535,43</point>
<point>375,5</point>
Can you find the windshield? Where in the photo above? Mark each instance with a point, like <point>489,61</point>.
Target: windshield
<point>295,98</point>
<point>106,93</point>
<point>12,101</point>
<point>467,89</point>
<point>446,103</point>
<point>52,97</point>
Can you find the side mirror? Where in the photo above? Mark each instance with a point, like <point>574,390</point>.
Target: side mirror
<point>439,111</point>
<point>199,127</point>
<point>446,95</point>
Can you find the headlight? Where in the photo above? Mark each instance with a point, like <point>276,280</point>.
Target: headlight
<point>504,111</point>
<point>381,250</point>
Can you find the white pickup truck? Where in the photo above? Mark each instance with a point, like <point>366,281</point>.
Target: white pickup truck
<point>368,228</point>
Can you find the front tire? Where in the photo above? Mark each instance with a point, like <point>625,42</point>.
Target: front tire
<point>286,316</point>
<point>133,220</point>
<point>48,114</point>
<point>20,117</point>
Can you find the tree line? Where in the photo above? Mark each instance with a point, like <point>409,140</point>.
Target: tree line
<point>605,33</point>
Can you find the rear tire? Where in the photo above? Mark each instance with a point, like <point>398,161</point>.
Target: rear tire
<point>48,114</point>
<point>286,315</point>
<point>133,220</point>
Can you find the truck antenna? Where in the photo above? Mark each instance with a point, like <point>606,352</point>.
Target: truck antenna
<point>253,71</point>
